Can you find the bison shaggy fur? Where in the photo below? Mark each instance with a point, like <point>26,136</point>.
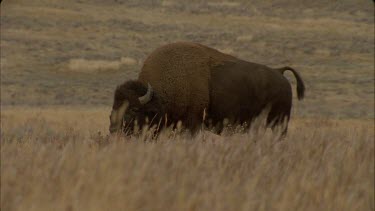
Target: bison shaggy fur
<point>196,85</point>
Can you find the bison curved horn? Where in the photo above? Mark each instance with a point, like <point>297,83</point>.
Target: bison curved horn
<point>147,97</point>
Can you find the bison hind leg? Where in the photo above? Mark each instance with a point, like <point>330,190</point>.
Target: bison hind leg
<point>278,122</point>
<point>279,126</point>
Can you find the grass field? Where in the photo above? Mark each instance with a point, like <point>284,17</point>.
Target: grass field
<point>76,52</point>
<point>60,63</point>
<point>59,159</point>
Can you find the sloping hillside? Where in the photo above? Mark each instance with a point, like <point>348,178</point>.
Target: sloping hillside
<point>76,52</point>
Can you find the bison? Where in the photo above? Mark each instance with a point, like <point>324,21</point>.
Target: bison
<point>199,85</point>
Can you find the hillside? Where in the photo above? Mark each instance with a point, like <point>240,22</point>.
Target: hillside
<point>76,52</point>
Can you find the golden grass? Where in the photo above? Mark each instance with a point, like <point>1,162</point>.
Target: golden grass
<point>55,159</point>
<point>60,158</point>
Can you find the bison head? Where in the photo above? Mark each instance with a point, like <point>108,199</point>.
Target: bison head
<point>134,104</point>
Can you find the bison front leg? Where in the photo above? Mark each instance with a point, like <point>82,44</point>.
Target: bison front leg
<point>194,124</point>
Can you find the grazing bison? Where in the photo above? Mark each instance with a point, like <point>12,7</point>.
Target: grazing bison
<point>191,83</point>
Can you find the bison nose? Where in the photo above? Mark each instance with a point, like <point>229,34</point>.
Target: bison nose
<point>113,129</point>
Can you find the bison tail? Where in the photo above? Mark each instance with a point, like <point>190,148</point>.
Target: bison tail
<point>300,84</point>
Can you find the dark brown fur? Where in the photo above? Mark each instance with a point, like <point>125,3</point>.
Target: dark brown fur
<point>189,78</point>
<point>240,91</point>
<point>131,90</point>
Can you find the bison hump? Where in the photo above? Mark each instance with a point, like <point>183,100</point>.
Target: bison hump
<point>180,73</point>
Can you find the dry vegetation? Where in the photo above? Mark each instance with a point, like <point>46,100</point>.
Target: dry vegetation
<point>90,66</point>
<point>60,62</point>
<point>69,52</point>
<point>56,159</point>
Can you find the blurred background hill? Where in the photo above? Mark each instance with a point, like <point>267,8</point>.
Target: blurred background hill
<point>76,52</point>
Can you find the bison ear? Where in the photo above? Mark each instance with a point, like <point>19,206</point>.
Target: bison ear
<point>147,97</point>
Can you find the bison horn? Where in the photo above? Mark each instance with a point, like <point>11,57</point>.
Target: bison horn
<point>147,97</point>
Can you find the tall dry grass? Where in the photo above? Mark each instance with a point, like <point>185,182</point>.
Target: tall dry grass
<point>59,159</point>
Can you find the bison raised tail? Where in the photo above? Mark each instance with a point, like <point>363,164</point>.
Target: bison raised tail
<point>300,84</point>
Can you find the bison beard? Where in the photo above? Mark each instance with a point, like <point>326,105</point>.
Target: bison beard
<point>186,81</point>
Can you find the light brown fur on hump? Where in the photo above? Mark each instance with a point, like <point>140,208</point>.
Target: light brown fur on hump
<point>180,73</point>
